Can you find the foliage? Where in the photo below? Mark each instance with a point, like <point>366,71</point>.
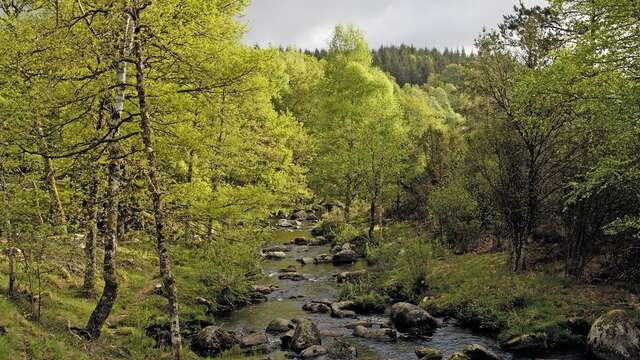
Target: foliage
<point>206,138</point>
<point>410,65</point>
<point>456,212</point>
<point>403,260</point>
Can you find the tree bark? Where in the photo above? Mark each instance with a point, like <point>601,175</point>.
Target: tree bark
<point>11,254</point>
<point>372,213</point>
<point>347,209</point>
<point>110,292</point>
<point>57,211</point>
<point>89,284</point>
<point>156,196</point>
<point>210,232</point>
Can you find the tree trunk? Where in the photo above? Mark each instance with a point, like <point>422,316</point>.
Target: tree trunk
<point>110,291</point>
<point>532,208</point>
<point>89,284</point>
<point>372,214</point>
<point>190,166</point>
<point>347,209</point>
<point>11,253</point>
<point>8,231</point>
<point>156,196</point>
<point>210,232</point>
<point>5,201</point>
<point>57,211</point>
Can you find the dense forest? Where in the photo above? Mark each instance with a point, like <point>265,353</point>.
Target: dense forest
<point>408,64</point>
<point>151,163</point>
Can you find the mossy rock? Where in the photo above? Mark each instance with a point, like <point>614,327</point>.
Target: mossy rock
<point>526,343</point>
<point>427,353</point>
<point>616,336</point>
<point>459,356</point>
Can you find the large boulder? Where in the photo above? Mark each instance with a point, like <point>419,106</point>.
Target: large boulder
<point>313,352</point>
<point>323,259</point>
<point>254,340</point>
<point>459,356</point>
<point>316,308</point>
<point>341,247</point>
<point>340,350</point>
<point>479,352</point>
<point>427,353</point>
<point>615,336</point>
<point>526,343</point>
<point>374,334</point>
<point>275,255</point>
<point>318,241</point>
<point>299,215</point>
<point>396,291</point>
<point>365,306</point>
<point>278,326</point>
<point>284,223</point>
<point>410,318</point>
<point>301,241</point>
<point>343,310</point>
<point>213,340</point>
<point>351,276</point>
<point>343,257</point>
<point>305,335</point>
<point>264,289</point>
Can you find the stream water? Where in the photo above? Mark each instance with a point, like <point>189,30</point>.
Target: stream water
<point>287,303</point>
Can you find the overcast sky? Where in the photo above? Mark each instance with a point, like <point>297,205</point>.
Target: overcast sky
<point>433,23</point>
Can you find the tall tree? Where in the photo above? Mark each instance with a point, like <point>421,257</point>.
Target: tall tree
<point>110,291</point>
<point>528,140</point>
<point>153,180</point>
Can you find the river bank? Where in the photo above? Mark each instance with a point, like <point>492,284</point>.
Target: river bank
<point>457,290</point>
<point>476,300</point>
<point>479,291</point>
<point>320,285</point>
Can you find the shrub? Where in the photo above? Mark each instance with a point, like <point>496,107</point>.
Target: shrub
<point>403,260</point>
<point>456,212</point>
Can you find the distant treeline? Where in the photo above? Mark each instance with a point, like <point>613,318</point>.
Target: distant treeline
<point>408,64</point>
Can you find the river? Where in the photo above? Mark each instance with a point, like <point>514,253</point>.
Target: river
<point>288,300</point>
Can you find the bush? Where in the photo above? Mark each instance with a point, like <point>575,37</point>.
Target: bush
<point>403,260</point>
<point>456,212</point>
<point>332,226</point>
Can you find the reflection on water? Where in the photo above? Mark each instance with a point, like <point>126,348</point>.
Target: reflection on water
<point>288,300</point>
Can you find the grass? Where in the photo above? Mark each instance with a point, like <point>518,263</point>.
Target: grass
<point>479,290</point>
<point>475,288</point>
<point>199,273</point>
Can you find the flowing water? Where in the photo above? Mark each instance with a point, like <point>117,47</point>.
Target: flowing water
<point>287,303</point>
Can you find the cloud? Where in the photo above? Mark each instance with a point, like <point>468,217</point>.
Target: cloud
<point>433,23</point>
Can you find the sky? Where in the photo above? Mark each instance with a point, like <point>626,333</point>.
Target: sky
<point>308,24</point>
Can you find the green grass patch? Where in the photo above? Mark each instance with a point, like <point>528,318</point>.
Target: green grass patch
<point>480,290</point>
